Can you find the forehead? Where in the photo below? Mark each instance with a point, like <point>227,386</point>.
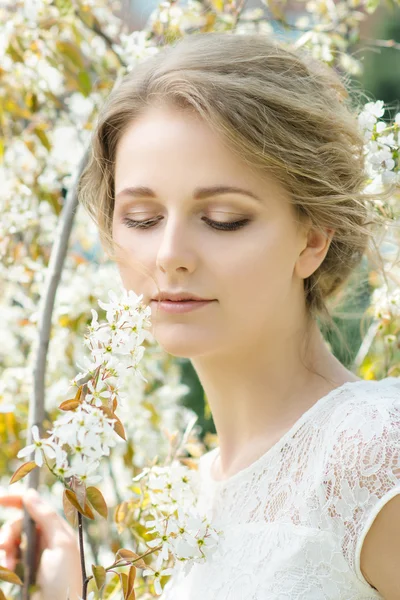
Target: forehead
<point>170,149</point>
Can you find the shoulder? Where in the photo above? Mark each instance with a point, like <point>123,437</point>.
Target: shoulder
<point>362,481</point>
<point>363,433</point>
<point>366,407</point>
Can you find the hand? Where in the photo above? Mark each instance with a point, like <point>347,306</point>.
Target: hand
<point>59,567</point>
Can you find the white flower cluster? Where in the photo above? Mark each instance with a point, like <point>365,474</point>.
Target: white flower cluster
<point>85,433</point>
<point>180,531</point>
<point>330,28</point>
<point>382,143</point>
<point>117,345</point>
<point>386,303</point>
<point>135,47</point>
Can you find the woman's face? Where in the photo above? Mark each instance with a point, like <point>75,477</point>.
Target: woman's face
<point>171,161</point>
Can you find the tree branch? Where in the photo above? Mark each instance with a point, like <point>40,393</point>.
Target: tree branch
<point>37,400</point>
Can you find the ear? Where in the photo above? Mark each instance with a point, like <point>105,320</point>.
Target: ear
<point>313,251</point>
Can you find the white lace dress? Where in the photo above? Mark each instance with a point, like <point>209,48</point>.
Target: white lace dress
<point>295,520</point>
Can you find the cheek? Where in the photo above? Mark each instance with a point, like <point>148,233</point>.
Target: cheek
<point>260,272</point>
<point>133,263</point>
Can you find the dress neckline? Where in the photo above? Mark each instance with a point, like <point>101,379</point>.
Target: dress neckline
<point>212,455</point>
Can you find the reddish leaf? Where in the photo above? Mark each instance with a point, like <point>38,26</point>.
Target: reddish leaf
<point>107,411</point>
<point>128,555</point>
<point>79,487</point>
<point>9,576</point>
<point>119,428</point>
<point>70,511</point>
<point>95,497</point>
<point>124,582</point>
<point>22,471</point>
<point>86,512</point>
<point>69,404</point>
<point>130,594</point>
<point>72,403</point>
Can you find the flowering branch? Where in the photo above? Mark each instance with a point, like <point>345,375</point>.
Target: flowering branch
<point>86,432</point>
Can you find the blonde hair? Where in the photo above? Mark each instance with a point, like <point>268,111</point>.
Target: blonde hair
<point>280,110</point>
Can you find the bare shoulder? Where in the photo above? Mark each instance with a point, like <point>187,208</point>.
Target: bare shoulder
<point>380,554</point>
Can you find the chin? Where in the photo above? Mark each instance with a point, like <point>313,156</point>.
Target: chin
<point>183,343</point>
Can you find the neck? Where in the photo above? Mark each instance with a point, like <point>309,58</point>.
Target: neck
<point>255,395</point>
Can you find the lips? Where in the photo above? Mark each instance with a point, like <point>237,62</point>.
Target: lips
<point>181,306</point>
<point>186,300</point>
<point>179,297</point>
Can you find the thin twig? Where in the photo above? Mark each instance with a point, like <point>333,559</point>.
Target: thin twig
<point>82,554</point>
<point>382,43</point>
<point>365,345</point>
<point>109,42</point>
<point>37,400</point>
<point>239,8</point>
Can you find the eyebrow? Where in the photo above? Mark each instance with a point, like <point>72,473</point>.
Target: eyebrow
<point>199,193</point>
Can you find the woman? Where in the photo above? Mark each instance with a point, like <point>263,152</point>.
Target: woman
<point>226,180</point>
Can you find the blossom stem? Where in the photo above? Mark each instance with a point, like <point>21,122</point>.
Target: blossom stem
<point>120,563</point>
<point>82,553</point>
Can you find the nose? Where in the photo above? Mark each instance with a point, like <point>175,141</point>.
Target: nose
<point>176,251</point>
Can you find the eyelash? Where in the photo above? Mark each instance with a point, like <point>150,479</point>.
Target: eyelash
<point>232,226</point>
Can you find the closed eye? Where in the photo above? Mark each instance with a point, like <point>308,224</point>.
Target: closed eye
<point>222,226</point>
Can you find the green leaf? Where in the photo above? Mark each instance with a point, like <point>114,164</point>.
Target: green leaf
<point>39,132</point>
<point>99,574</point>
<point>372,5</point>
<point>15,53</point>
<point>71,52</point>
<point>9,576</point>
<point>85,83</point>
<point>65,7</point>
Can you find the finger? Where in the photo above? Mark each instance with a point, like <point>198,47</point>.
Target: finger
<point>10,538</point>
<point>11,544</point>
<point>10,534</point>
<point>54,528</point>
<point>13,500</point>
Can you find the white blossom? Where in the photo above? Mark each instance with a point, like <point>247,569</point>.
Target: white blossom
<point>39,446</point>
